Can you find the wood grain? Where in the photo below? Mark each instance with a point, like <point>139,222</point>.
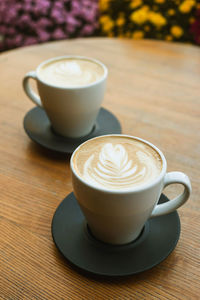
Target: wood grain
<point>154,90</point>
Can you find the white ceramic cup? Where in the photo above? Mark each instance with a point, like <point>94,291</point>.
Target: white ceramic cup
<point>118,217</point>
<point>72,111</point>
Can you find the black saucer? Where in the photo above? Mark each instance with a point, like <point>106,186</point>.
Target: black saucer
<point>74,240</point>
<point>38,128</point>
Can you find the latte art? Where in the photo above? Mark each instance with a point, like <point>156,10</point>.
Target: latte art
<point>119,164</point>
<point>115,170</point>
<point>69,72</point>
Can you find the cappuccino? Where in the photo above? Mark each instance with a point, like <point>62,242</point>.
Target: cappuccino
<point>117,162</point>
<point>71,72</point>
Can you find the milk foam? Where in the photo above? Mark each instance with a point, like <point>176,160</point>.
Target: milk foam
<point>68,72</point>
<point>116,166</point>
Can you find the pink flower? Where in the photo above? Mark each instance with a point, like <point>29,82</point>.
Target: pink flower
<point>11,42</point>
<point>3,6</point>
<point>3,29</point>
<point>43,35</point>
<point>27,22</point>
<point>41,7</point>
<point>43,22</point>
<point>18,39</point>
<point>71,20</point>
<point>30,41</point>
<point>87,30</point>
<point>27,6</point>
<point>70,28</point>
<point>59,5</point>
<point>11,15</point>
<point>88,15</point>
<point>58,16</point>
<point>59,34</point>
<point>11,31</point>
<point>24,20</point>
<point>76,8</point>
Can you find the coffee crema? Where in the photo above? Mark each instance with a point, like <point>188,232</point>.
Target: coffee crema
<point>117,163</point>
<point>71,72</point>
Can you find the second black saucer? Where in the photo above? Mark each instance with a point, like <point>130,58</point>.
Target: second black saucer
<point>38,128</point>
<point>73,239</point>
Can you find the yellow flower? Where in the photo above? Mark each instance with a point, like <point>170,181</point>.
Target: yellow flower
<point>107,23</point>
<point>103,4</point>
<point>110,34</point>
<point>176,31</point>
<point>138,35</point>
<point>145,7</point>
<point>171,12</point>
<point>135,3</point>
<point>128,34</point>
<point>168,38</point>
<point>191,20</point>
<point>146,28</point>
<point>159,1</point>
<point>140,16</point>
<point>104,19</point>
<point>157,19</point>
<point>186,6</point>
<point>120,21</point>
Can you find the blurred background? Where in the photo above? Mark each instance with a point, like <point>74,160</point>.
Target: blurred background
<point>29,22</point>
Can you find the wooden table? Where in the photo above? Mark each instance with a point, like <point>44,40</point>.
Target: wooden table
<point>154,90</point>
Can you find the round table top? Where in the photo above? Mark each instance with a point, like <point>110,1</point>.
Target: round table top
<point>154,91</point>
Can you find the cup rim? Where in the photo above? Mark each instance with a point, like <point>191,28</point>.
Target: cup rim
<point>136,189</point>
<point>72,87</point>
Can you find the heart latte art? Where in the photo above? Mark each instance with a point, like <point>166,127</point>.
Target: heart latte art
<point>118,164</point>
<point>69,72</point>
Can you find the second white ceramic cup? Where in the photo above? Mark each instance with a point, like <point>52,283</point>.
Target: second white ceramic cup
<point>117,217</point>
<point>72,111</point>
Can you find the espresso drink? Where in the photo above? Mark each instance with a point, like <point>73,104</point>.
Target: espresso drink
<point>117,163</point>
<point>71,72</point>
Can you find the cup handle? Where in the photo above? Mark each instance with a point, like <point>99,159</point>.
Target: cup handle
<point>170,206</point>
<point>29,92</point>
